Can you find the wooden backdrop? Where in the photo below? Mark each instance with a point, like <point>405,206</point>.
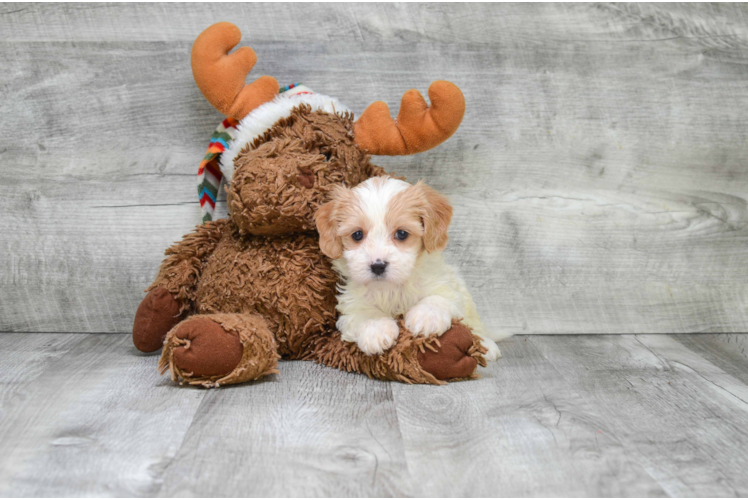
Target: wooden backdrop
<point>599,177</point>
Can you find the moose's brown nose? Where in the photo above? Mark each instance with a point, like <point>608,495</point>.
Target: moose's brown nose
<point>306,178</point>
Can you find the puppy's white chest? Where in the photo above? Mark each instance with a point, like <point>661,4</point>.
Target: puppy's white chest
<point>393,301</point>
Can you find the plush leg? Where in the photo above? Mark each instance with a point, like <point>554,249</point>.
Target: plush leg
<point>218,349</point>
<point>413,359</point>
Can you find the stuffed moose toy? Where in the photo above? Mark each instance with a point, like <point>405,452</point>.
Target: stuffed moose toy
<point>237,294</point>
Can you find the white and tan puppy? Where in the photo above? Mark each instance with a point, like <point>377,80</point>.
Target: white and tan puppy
<point>386,237</point>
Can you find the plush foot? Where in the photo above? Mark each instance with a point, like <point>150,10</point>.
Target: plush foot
<point>219,349</point>
<point>456,358</point>
<point>206,350</point>
<point>157,314</point>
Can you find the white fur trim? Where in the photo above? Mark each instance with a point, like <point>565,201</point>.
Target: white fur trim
<point>264,117</point>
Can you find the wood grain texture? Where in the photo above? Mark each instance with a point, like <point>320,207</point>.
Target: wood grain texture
<point>562,416</point>
<point>476,23</point>
<point>95,417</point>
<point>682,418</point>
<point>598,178</point>
<point>492,437</point>
<point>727,351</point>
<point>310,431</point>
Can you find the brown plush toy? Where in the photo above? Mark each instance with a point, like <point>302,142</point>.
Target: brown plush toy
<point>235,296</point>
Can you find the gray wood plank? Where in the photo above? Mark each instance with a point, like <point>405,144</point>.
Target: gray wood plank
<point>735,344</point>
<point>645,415</point>
<point>399,22</point>
<point>598,178</point>
<point>678,415</point>
<point>96,419</point>
<point>727,351</point>
<point>719,381</point>
<point>24,358</point>
<point>310,431</point>
<point>522,430</point>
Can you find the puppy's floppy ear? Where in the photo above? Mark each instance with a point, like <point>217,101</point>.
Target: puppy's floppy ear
<point>329,241</point>
<point>327,225</point>
<point>436,218</point>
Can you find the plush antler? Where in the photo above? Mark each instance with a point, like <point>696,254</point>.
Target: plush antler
<point>418,127</point>
<point>220,76</point>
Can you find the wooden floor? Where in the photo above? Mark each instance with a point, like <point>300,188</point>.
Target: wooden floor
<point>607,415</point>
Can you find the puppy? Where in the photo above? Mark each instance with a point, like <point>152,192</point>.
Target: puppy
<point>386,237</point>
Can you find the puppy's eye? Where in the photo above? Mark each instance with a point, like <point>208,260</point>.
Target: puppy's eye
<point>327,155</point>
<point>401,235</point>
<point>358,236</point>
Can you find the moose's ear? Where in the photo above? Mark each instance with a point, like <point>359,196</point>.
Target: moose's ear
<point>436,219</point>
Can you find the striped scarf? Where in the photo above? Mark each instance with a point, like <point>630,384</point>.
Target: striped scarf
<point>209,174</point>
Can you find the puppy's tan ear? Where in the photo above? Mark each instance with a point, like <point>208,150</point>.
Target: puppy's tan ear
<point>327,225</point>
<point>438,214</point>
<point>329,241</point>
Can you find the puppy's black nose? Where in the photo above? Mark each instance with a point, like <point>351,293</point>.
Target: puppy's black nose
<point>378,267</point>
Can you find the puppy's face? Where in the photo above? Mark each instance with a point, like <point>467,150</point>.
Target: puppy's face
<point>381,227</point>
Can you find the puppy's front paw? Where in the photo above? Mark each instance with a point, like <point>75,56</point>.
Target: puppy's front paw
<point>493,350</point>
<point>378,335</point>
<point>427,319</point>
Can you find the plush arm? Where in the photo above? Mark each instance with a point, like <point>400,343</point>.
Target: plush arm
<point>180,270</point>
<point>172,293</point>
<point>413,358</point>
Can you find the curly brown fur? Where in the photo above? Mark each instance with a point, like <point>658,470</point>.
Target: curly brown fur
<point>181,269</point>
<point>398,363</point>
<point>268,196</point>
<point>285,279</point>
